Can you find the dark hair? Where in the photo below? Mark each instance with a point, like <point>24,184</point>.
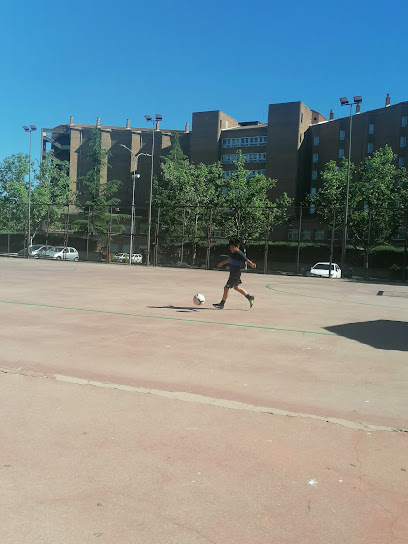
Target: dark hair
<point>234,242</point>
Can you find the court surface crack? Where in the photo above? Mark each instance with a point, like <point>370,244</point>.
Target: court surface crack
<point>210,401</point>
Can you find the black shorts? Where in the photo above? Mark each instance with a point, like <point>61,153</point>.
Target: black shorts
<point>234,279</point>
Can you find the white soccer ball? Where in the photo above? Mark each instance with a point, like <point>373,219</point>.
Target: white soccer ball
<point>198,299</point>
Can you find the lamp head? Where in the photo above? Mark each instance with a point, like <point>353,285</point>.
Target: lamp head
<point>357,100</point>
<point>344,101</point>
<point>33,127</point>
<point>26,128</point>
<point>159,117</point>
<point>148,118</point>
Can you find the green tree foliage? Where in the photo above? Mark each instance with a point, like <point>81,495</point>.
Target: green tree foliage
<point>95,198</point>
<point>185,195</point>
<point>246,208</point>
<point>50,192</point>
<point>382,190</point>
<point>191,195</point>
<point>329,201</point>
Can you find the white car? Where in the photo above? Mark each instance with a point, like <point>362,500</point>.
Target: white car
<point>122,257</point>
<point>322,270</point>
<point>61,253</point>
<point>137,258</point>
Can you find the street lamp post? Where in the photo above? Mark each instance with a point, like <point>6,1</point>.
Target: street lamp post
<point>344,102</point>
<point>155,124</point>
<point>135,157</point>
<point>30,129</point>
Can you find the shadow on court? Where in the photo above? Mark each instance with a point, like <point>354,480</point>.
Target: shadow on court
<point>380,334</point>
<point>191,308</point>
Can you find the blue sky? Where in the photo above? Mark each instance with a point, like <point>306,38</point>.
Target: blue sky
<point>120,60</point>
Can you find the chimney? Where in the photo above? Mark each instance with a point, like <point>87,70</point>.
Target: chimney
<point>387,100</point>
<point>98,122</point>
<point>331,115</point>
<point>187,128</point>
<point>127,123</point>
<point>71,120</point>
<point>358,106</point>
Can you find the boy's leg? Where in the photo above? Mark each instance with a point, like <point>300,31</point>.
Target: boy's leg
<point>250,298</point>
<point>220,305</point>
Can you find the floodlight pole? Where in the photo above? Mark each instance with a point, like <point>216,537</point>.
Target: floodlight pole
<point>155,124</point>
<point>135,158</point>
<point>29,129</point>
<point>344,102</point>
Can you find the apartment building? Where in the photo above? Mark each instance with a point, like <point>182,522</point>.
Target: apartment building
<point>292,147</point>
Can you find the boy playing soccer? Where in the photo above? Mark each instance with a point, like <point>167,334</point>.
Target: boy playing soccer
<point>235,260</point>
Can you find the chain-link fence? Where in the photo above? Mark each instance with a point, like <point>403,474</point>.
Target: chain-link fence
<point>190,236</point>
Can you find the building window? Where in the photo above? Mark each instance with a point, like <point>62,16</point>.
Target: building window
<point>305,234</point>
<point>342,134</point>
<point>244,142</point>
<point>369,148</point>
<point>301,117</point>
<point>401,162</point>
<point>314,174</point>
<point>315,157</point>
<point>312,209</point>
<point>313,191</point>
<point>300,138</point>
<point>293,235</point>
<point>340,169</point>
<point>341,153</point>
<point>403,141</point>
<point>316,140</point>
<point>227,174</point>
<point>404,121</point>
<point>221,123</point>
<point>371,128</point>
<point>319,234</point>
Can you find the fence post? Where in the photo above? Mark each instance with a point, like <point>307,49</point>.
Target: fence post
<point>332,243</point>
<point>87,234</point>
<point>404,261</point>
<point>182,236</point>
<point>8,230</point>
<point>48,227</point>
<point>367,248</point>
<point>108,246</point>
<point>156,247</point>
<point>267,244</point>
<point>299,235</point>
<point>207,259</point>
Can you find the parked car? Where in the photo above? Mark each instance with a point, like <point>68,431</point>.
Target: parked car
<point>61,253</point>
<point>321,270</point>
<point>137,258</point>
<point>32,250</point>
<point>122,257</point>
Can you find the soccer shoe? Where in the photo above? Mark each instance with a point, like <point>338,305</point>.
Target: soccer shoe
<point>251,301</point>
<point>219,306</point>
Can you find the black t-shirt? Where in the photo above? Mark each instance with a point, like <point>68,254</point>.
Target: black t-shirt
<point>236,259</point>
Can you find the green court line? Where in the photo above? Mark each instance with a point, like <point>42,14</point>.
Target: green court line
<point>333,299</point>
<point>243,325</point>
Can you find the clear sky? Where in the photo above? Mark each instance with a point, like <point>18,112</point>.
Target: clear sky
<point>125,59</point>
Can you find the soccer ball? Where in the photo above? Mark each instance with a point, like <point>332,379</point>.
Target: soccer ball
<point>198,299</point>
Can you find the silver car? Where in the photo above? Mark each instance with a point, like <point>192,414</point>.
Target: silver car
<point>61,253</point>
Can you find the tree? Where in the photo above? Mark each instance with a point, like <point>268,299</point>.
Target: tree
<point>185,195</point>
<point>383,194</point>
<point>247,210</point>
<point>13,192</point>
<point>95,198</point>
<point>50,192</point>
<point>329,201</point>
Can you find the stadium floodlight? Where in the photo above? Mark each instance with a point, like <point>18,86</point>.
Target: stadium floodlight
<point>344,101</point>
<point>159,117</point>
<point>148,118</point>
<point>357,100</point>
<point>33,127</point>
<point>26,128</point>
